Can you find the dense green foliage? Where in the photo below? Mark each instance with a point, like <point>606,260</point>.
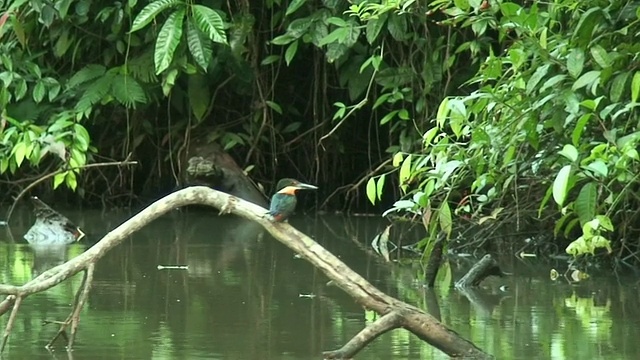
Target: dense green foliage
<point>484,110</point>
<point>552,114</point>
<point>121,70</point>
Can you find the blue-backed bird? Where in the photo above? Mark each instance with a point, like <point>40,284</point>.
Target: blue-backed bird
<point>283,202</point>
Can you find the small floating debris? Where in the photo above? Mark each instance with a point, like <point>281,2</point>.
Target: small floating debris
<point>577,275</point>
<point>3,223</point>
<point>527,255</point>
<point>297,256</point>
<point>554,275</point>
<point>463,254</point>
<point>310,296</point>
<point>173,267</point>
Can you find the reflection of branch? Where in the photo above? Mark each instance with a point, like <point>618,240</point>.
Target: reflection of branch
<point>74,317</point>
<point>43,178</point>
<point>409,317</point>
<point>386,323</point>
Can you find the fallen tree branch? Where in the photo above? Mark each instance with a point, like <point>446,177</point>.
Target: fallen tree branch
<point>407,316</point>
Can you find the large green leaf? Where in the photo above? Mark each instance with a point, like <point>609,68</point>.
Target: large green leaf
<point>168,40</point>
<point>141,67</point>
<point>374,26</point>
<point>81,136</point>
<point>318,31</point>
<point>199,46</point>
<point>19,152</point>
<point>617,86</point>
<point>397,26</point>
<point>584,30</point>
<point>62,44</point>
<point>600,55</point>
<point>59,179</point>
<point>88,73</point>
<point>338,35</point>
<point>405,173</point>
<point>444,216</point>
<point>95,92</point>
<point>575,62</point>
<point>599,168</point>
<point>585,205</point>
<point>71,180</point>
<point>576,135</point>
<point>561,185</point>
<point>380,185</point>
<point>283,39</point>
<point>291,52</point>
<point>570,152</point>
<point>39,91</point>
<point>586,79</point>
<point>210,23</point>
<point>353,33</point>
<point>127,91</point>
<point>149,12</point>
<point>299,27</point>
<point>371,190</point>
<point>635,87</point>
<point>395,77</point>
<point>294,5</point>
<point>335,51</point>
<point>199,95</point>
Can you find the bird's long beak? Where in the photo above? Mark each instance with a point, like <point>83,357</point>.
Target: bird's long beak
<point>80,235</point>
<point>303,186</point>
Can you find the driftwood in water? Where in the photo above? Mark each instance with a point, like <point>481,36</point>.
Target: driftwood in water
<point>467,286</point>
<point>394,313</point>
<point>484,268</point>
<point>51,227</point>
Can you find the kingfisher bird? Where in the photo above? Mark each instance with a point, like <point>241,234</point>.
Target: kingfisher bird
<point>283,202</point>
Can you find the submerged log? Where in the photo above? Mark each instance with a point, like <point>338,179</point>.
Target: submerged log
<point>484,268</point>
<point>394,313</point>
<point>210,165</point>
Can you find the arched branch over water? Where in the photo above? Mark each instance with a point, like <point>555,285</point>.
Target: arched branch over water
<point>394,313</point>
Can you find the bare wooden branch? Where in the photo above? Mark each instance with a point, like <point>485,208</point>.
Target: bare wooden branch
<point>412,318</point>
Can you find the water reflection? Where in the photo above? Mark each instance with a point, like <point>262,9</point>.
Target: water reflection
<point>240,298</point>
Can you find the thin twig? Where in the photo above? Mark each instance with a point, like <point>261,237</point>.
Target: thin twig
<point>45,177</point>
<point>356,107</point>
<point>358,183</point>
